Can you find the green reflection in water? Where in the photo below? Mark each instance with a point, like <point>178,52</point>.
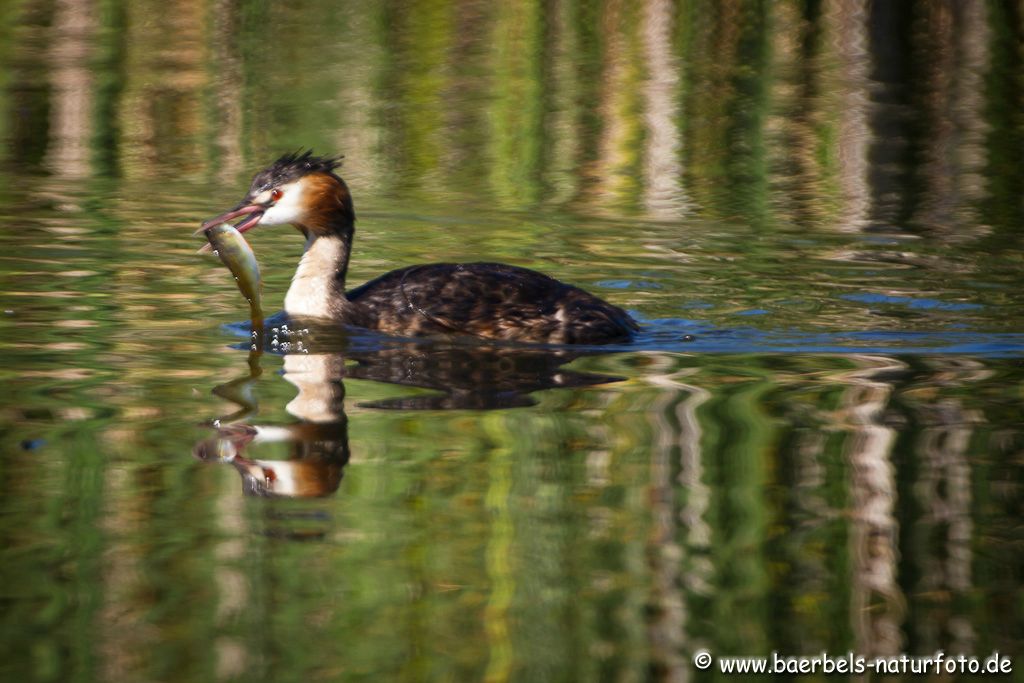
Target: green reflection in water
<point>524,543</point>
<point>732,171</point>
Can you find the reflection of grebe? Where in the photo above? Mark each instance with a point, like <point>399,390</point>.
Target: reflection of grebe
<point>488,300</point>
<point>318,444</point>
<point>315,469</point>
<point>460,378</point>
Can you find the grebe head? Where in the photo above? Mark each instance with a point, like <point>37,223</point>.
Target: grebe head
<point>297,189</point>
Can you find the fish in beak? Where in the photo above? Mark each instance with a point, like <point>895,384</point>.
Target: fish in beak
<point>253,213</point>
<point>238,256</point>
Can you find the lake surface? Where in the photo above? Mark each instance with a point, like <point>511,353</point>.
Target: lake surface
<point>815,444</point>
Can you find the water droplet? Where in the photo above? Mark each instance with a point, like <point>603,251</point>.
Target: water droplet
<point>274,330</point>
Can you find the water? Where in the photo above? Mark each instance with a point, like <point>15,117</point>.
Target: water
<point>814,445</point>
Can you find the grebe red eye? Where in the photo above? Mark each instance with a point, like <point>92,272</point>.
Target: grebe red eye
<point>275,194</point>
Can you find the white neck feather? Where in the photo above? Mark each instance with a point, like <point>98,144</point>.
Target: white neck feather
<point>313,283</point>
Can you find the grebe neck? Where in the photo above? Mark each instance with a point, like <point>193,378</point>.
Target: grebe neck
<point>318,286</point>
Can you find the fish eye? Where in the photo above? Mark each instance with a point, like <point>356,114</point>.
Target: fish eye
<point>275,194</point>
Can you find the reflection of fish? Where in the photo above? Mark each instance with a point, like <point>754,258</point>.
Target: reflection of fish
<point>237,255</point>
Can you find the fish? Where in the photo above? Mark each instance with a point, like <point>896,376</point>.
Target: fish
<point>238,256</point>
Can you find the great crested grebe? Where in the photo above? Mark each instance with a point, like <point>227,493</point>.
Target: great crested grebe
<point>486,300</point>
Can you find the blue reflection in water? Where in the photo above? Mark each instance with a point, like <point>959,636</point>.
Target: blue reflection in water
<point>912,302</point>
<point>665,335</point>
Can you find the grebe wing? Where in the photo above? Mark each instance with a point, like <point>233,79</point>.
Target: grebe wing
<point>489,300</point>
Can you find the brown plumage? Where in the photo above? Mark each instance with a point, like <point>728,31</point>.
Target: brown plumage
<point>485,300</point>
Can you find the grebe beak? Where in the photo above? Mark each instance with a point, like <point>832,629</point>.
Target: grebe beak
<point>254,213</point>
